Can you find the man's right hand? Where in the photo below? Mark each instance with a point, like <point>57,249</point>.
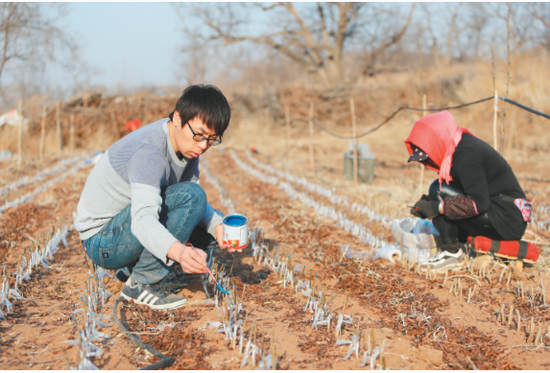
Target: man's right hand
<point>191,260</point>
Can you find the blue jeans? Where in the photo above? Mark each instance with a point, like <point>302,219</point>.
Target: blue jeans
<point>114,246</point>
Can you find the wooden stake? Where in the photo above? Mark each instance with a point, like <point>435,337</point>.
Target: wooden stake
<point>424,105</point>
<point>511,315</point>
<point>311,157</point>
<point>501,150</point>
<point>354,131</point>
<point>20,134</point>
<point>42,132</point>
<point>495,114</point>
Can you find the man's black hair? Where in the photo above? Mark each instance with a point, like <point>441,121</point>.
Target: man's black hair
<point>206,102</point>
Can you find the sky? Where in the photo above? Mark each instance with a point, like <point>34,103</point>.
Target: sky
<point>130,44</point>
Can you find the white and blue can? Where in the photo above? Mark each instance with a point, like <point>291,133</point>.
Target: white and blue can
<point>235,231</point>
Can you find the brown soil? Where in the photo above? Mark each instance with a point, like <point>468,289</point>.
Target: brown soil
<point>420,323</point>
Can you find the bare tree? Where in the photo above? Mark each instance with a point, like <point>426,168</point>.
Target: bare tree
<point>385,34</point>
<point>524,34</point>
<point>453,29</point>
<point>477,22</point>
<point>312,35</point>
<point>29,35</point>
<point>428,27</point>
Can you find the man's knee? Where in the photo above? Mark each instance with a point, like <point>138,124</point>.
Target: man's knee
<point>186,194</point>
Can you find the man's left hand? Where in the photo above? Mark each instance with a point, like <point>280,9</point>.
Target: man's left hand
<point>426,209</point>
<point>219,238</point>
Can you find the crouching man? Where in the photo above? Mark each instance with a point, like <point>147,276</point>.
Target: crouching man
<point>142,202</point>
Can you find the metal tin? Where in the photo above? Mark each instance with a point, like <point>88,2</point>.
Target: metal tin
<point>235,231</point>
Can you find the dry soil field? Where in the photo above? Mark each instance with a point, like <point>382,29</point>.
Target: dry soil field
<point>307,292</point>
<point>288,295</point>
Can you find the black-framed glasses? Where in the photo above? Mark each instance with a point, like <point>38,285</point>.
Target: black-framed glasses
<point>200,138</point>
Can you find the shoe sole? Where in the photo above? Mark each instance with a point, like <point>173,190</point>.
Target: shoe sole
<point>162,307</point>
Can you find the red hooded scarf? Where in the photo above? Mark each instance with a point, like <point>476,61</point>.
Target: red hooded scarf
<point>437,135</point>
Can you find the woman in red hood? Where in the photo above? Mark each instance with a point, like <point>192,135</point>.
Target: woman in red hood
<point>476,194</point>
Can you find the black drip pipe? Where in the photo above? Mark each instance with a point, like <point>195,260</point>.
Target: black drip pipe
<point>161,364</point>
<point>421,109</point>
<point>524,107</point>
<point>394,114</point>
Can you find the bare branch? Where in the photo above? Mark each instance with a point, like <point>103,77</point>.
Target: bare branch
<point>395,38</point>
<point>312,35</point>
<point>27,34</point>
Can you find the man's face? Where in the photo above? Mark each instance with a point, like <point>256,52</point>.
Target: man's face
<point>181,136</point>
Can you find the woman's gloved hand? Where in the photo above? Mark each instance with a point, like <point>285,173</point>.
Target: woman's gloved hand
<point>425,209</point>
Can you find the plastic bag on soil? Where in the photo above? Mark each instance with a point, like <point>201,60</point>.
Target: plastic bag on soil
<point>419,237</point>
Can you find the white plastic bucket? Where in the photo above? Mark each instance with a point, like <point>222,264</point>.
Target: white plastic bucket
<point>235,231</point>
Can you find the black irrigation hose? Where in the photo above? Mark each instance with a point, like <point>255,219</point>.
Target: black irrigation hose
<point>524,107</point>
<point>423,109</point>
<point>161,364</point>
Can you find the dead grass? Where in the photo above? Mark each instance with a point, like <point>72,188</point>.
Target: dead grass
<point>526,142</point>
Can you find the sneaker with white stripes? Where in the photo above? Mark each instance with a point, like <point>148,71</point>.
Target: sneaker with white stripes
<point>444,260</point>
<point>154,296</point>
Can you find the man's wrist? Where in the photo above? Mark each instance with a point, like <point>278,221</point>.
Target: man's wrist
<point>175,251</point>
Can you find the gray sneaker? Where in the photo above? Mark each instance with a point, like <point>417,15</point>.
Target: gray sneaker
<point>153,296</point>
<point>442,261</point>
